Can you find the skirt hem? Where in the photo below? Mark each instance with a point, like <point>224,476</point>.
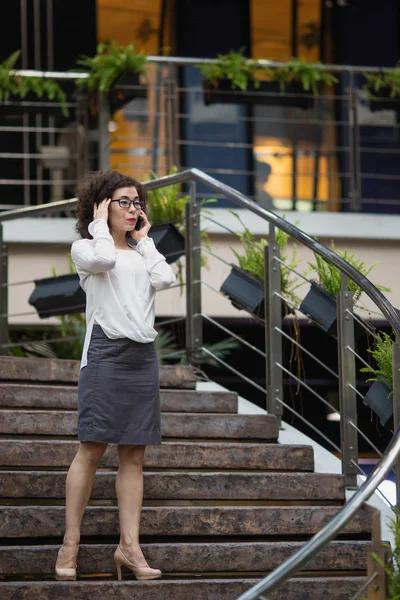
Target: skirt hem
<point>146,438</point>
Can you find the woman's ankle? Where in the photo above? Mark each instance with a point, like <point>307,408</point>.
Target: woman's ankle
<point>71,542</point>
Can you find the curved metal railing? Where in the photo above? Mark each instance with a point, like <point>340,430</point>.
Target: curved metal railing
<point>392,453</point>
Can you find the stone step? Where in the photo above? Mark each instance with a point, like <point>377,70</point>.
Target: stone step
<point>67,371</point>
<point>189,557</point>
<point>317,588</point>
<point>169,455</point>
<point>176,425</point>
<point>48,521</point>
<point>185,486</point>
<point>24,395</point>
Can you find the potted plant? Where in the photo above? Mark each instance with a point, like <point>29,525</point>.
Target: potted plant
<point>167,217</point>
<point>320,302</point>
<point>14,88</point>
<point>114,71</point>
<point>58,295</point>
<point>384,89</point>
<point>244,286</point>
<point>379,395</point>
<point>290,85</point>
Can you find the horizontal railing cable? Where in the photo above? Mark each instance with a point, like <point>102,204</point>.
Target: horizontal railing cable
<point>310,354</point>
<point>225,364</point>
<point>378,491</point>
<point>292,269</point>
<point>364,587</point>
<point>307,387</point>
<point>309,424</point>
<point>361,322</point>
<point>359,394</point>
<point>229,332</point>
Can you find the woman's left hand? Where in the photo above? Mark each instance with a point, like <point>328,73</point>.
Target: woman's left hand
<point>144,230</point>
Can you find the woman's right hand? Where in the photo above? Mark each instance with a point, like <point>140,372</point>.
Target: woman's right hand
<point>101,211</point>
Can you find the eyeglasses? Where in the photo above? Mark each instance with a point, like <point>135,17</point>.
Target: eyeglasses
<point>126,203</point>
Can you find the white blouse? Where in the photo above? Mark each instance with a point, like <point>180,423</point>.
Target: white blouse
<point>119,284</point>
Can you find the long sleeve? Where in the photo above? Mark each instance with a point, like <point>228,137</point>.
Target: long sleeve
<point>97,255</point>
<point>161,274</point>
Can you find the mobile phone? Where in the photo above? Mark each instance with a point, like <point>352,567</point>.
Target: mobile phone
<point>139,223</point>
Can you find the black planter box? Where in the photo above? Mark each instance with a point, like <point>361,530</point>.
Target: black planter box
<point>379,399</point>
<point>244,291</point>
<point>321,307</point>
<point>168,240</point>
<point>120,94</point>
<point>382,101</point>
<point>58,296</point>
<point>294,94</point>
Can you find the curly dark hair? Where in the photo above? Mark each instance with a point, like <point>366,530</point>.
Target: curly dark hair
<point>97,186</point>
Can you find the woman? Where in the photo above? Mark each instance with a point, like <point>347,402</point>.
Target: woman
<point>118,389</point>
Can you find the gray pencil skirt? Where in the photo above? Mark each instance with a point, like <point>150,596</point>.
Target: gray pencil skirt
<point>118,392</point>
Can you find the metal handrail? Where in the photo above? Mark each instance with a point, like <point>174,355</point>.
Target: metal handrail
<point>180,61</point>
<point>330,531</point>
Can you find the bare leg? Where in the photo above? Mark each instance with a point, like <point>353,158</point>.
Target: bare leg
<point>129,488</point>
<point>78,489</point>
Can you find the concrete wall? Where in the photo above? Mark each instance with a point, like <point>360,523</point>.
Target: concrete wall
<point>37,245</point>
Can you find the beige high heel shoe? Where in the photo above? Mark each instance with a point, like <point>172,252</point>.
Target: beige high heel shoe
<point>140,572</point>
<point>65,574</point>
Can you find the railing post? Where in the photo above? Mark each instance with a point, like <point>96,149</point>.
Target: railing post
<point>273,320</point>
<point>354,145</point>
<point>3,295</point>
<point>375,571</point>
<point>171,101</point>
<point>347,385</point>
<point>194,330</point>
<point>396,406</point>
<point>104,134</point>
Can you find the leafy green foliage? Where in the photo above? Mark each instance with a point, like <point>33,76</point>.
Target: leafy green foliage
<point>299,70</point>
<point>110,61</point>
<point>235,67</point>
<point>392,567</point>
<point>42,87</point>
<point>252,259</point>
<point>167,204</point>
<point>387,82</point>
<point>329,276</point>
<point>382,353</point>
<point>169,352</point>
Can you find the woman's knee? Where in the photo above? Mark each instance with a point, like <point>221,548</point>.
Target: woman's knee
<point>91,452</point>
<point>133,455</point>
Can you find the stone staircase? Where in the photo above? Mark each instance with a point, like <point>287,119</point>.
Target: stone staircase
<point>224,503</point>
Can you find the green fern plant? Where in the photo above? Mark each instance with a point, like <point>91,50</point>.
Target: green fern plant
<point>299,70</point>
<point>252,259</point>
<point>169,352</point>
<point>109,62</point>
<point>237,68</point>
<point>392,565</point>
<point>233,66</point>
<point>167,205</point>
<point>382,354</point>
<point>329,276</point>
<point>384,81</point>
<point>15,85</point>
